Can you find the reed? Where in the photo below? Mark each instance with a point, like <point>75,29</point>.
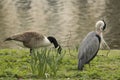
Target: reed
<point>45,62</point>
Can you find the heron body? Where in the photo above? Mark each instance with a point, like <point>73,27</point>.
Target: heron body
<point>34,40</point>
<point>90,45</point>
<point>88,50</point>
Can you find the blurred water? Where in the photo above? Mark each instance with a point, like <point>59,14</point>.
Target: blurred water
<point>68,20</point>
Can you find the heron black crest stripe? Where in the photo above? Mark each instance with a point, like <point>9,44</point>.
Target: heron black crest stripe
<point>104,25</point>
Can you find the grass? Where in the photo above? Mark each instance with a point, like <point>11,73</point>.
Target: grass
<point>16,64</point>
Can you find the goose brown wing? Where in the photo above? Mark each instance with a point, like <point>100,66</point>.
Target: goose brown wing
<point>28,36</point>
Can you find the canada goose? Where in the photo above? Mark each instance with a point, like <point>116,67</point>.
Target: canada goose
<point>90,45</point>
<point>34,40</point>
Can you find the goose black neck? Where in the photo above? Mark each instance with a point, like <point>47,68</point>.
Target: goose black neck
<point>53,40</point>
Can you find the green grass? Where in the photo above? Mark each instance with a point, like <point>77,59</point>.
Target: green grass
<point>15,64</point>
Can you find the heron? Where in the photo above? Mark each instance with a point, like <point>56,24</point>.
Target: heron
<point>90,45</point>
<point>33,40</point>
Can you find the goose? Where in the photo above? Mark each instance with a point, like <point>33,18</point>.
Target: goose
<point>33,40</point>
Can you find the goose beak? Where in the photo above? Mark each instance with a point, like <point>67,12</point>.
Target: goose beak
<point>59,49</point>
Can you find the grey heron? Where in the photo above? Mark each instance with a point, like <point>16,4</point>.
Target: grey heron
<point>91,44</point>
<point>35,40</point>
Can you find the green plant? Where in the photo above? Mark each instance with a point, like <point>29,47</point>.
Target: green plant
<point>45,62</point>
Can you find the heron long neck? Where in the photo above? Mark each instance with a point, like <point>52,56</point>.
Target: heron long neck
<point>102,39</point>
<point>54,41</point>
<point>99,33</point>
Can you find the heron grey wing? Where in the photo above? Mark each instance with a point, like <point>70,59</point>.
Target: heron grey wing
<point>89,47</point>
<point>92,49</point>
<point>84,44</point>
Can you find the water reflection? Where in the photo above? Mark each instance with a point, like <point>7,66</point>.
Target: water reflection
<point>68,20</point>
<point>23,13</point>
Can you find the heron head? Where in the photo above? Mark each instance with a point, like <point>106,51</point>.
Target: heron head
<point>100,25</point>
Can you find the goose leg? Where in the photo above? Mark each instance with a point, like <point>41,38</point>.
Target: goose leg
<point>31,50</point>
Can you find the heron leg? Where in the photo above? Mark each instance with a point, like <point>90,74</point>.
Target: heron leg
<point>80,68</point>
<point>108,52</point>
